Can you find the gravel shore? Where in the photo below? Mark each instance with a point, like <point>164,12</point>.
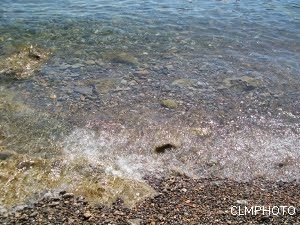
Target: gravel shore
<point>180,200</point>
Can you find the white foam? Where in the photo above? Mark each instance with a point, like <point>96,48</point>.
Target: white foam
<point>240,155</point>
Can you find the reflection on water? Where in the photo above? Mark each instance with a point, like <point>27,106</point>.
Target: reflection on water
<point>216,80</point>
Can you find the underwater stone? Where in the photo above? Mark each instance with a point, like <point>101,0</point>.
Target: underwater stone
<point>90,62</point>
<point>164,147</point>
<point>201,132</point>
<point>121,57</point>
<point>142,73</point>
<point>4,155</point>
<point>3,210</point>
<point>105,85</point>
<point>2,136</point>
<point>26,164</point>
<point>77,65</point>
<point>68,195</point>
<point>53,96</point>
<point>34,214</point>
<point>165,144</point>
<point>24,63</point>
<point>132,83</point>
<point>54,204</point>
<point>183,83</point>
<point>169,67</point>
<point>244,83</point>
<point>169,103</point>
<point>84,90</point>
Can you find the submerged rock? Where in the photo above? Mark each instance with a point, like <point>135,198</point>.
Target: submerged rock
<point>105,85</point>
<point>27,164</point>
<point>142,73</point>
<point>4,155</point>
<point>244,83</point>
<point>68,195</point>
<point>201,132</point>
<point>183,83</point>
<point>77,66</point>
<point>166,140</point>
<point>90,62</point>
<point>2,136</point>
<point>169,103</point>
<point>84,90</point>
<point>7,104</point>
<point>121,57</point>
<point>165,147</point>
<point>24,63</point>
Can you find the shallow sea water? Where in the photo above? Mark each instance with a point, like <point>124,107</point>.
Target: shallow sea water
<point>97,101</point>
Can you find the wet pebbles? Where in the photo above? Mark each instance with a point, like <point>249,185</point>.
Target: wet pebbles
<point>180,200</point>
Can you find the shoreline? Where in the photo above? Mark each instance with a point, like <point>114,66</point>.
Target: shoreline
<point>149,112</point>
<point>180,200</point>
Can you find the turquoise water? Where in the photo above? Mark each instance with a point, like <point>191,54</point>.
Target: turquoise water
<point>202,40</point>
<point>228,69</point>
<point>259,31</point>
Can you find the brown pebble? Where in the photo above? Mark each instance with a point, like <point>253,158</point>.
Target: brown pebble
<point>87,215</point>
<point>26,164</point>
<point>53,96</point>
<point>68,195</point>
<point>53,204</point>
<point>34,214</point>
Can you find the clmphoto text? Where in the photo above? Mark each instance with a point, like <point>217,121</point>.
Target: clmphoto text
<point>263,210</point>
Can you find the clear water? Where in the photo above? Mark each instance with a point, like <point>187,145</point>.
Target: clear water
<point>109,112</point>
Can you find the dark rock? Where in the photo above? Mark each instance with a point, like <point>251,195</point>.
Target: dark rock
<point>2,136</point>
<point>62,192</point>
<point>264,219</point>
<point>164,147</point>
<point>4,155</point>
<point>68,195</point>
